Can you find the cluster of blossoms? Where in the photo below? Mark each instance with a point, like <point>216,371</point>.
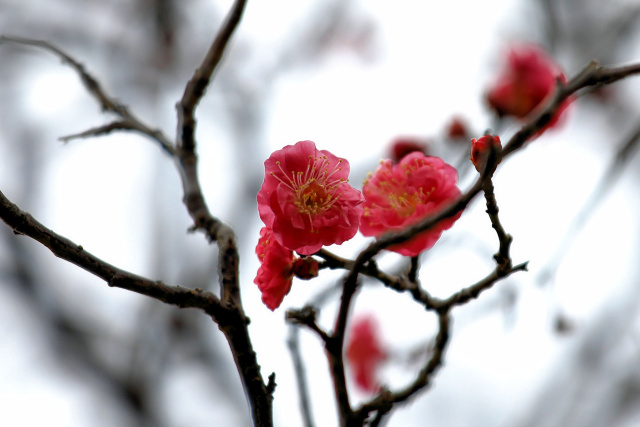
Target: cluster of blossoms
<point>526,82</point>
<point>306,201</point>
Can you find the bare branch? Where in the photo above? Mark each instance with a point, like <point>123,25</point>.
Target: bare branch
<point>307,317</point>
<point>100,130</point>
<point>198,84</point>
<point>293,342</point>
<point>614,170</point>
<point>472,292</point>
<point>107,102</point>
<point>386,399</point>
<point>23,223</point>
<point>502,257</point>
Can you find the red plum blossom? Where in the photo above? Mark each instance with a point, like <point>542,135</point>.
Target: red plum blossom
<point>400,195</point>
<point>306,198</point>
<point>276,269</point>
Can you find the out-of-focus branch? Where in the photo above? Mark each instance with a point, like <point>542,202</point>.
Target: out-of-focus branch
<point>333,346</point>
<point>100,130</point>
<point>615,168</point>
<point>107,102</point>
<point>293,342</point>
<point>385,400</point>
<point>229,313</point>
<point>592,75</point>
<point>465,295</point>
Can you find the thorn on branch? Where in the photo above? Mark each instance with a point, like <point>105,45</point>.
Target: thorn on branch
<point>271,385</point>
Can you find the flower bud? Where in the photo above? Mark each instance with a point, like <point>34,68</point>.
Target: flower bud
<point>480,149</point>
<point>305,268</point>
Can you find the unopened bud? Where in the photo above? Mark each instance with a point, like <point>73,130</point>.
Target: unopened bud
<point>305,268</point>
<point>480,149</point>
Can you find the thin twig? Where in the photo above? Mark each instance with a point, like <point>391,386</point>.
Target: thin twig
<point>502,257</point>
<point>100,130</point>
<point>200,80</point>
<point>107,102</point>
<point>307,317</point>
<point>293,343</point>
<point>386,399</point>
<point>473,291</point>
<point>607,180</point>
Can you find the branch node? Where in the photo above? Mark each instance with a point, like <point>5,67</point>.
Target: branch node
<point>271,385</point>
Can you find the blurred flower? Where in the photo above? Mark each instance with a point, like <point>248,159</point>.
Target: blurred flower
<point>457,129</point>
<point>528,79</point>
<point>365,353</point>
<point>397,196</point>
<point>276,269</point>
<point>306,198</point>
<point>480,149</point>
<point>402,146</point>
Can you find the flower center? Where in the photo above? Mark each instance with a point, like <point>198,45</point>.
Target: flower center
<point>402,200</point>
<point>404,203</point>
<point>315,191</point>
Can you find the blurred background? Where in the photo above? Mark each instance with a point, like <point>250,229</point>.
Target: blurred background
<point>556,346</point>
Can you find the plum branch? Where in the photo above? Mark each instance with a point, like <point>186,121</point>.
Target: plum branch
<point>23,223</point>
<point>227,310</point>
<point>107,103</point>
<point>592,75</point>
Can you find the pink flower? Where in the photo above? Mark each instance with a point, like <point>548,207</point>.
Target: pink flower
<point>276,269</point>
<point>402,146</point>
<point>306,198</point>
<point>527,81</point>
<point>365,353</point>
<point>397,196</point>
<point>480,149</point>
